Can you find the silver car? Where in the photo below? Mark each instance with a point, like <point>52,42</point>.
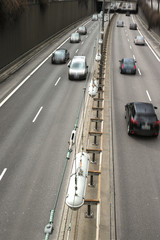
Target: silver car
<point>82,30</point>
<point>139,40</point>
<point>78,68</point>
<point>120,23</point>
<point>75,38</point>
<point>94,17</point>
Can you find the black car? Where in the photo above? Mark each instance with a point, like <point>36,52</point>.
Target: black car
<point>133,26</point>
<point>60,56</point>
<point>128,13</point>
<point>127,65</point>
<point>141,119</point>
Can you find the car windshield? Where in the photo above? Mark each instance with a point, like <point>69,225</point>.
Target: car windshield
<point>77,65</point>
<point>146,117</point>
<point>75,35</point>
<point>81,28</point>
<point>60,53</point>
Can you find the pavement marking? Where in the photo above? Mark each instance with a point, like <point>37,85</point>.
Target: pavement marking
<point>130,47</point>
<point>82,42</point>
<point>37,114</point>
<point>148,95</point>
<point>128,39</point>
<point>58,81</point>
<point>134,57</point>
<point>139,71</point>
<point>149,45</point>
<point>77,50</point>
<point>20,85</point>
<point>2,174</point>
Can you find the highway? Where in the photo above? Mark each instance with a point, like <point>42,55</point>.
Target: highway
<point>136,159</point>
<point>38,113</point>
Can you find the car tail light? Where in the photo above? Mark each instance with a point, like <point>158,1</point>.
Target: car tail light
<point>122,66</point>
<point>134,66</point>
<point>134,121</point>
<point>156,123</point>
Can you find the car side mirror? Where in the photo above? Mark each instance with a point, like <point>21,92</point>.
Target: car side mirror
<point>155,107</point>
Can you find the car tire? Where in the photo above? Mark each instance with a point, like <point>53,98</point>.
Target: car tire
<point>128,129</point>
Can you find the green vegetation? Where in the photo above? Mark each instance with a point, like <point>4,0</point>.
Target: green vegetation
<point>152,16</point>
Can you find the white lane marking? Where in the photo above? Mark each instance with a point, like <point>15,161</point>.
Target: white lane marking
<point>130,47</point>
<point>15,90</point>
<point>82,42</point>
<point>58,81</point>
<point>134,57</point>
<point>37,114</point>
<point>132,19</point>
<point>128,39</point>
<point>77,50</point>
<point>2,174</point>
<point>149,45</point>
<point>139,71</point>
<point>69,62</point>
<point>148,95</point>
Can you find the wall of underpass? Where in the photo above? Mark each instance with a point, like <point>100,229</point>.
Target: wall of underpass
<point>36,24</point>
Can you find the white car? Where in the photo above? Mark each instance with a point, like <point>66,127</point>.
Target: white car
<point>82,30</point>
<point>75,38</point>
<point>139,40</point>
<point>78,68</point>
<point>94,17</point>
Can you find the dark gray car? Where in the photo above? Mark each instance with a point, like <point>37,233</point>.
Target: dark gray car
<point>60,56</point>
<point>141,119</point>
<point>127,65</point>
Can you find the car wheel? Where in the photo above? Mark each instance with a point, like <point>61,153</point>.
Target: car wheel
<point>128,129</point>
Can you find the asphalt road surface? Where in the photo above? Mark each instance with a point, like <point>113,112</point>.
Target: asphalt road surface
<point>136,159</point>
<point>35,126</point>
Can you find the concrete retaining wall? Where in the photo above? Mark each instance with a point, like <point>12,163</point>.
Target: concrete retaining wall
<point>36,25</point>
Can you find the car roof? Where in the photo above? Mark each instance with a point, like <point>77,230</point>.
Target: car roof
<point>144,108</point>
<point>128,59</point>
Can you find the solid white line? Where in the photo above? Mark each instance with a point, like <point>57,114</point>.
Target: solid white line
<point>150,48</point>
<point>57,81</point>
<point>37,114</point>
<point>15,90</point>
<point>2,174</point>
<point>148,95</point>
<point>139,71</point>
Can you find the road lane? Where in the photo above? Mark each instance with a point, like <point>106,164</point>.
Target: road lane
<point>136,159</point>
<point>34,152</point>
